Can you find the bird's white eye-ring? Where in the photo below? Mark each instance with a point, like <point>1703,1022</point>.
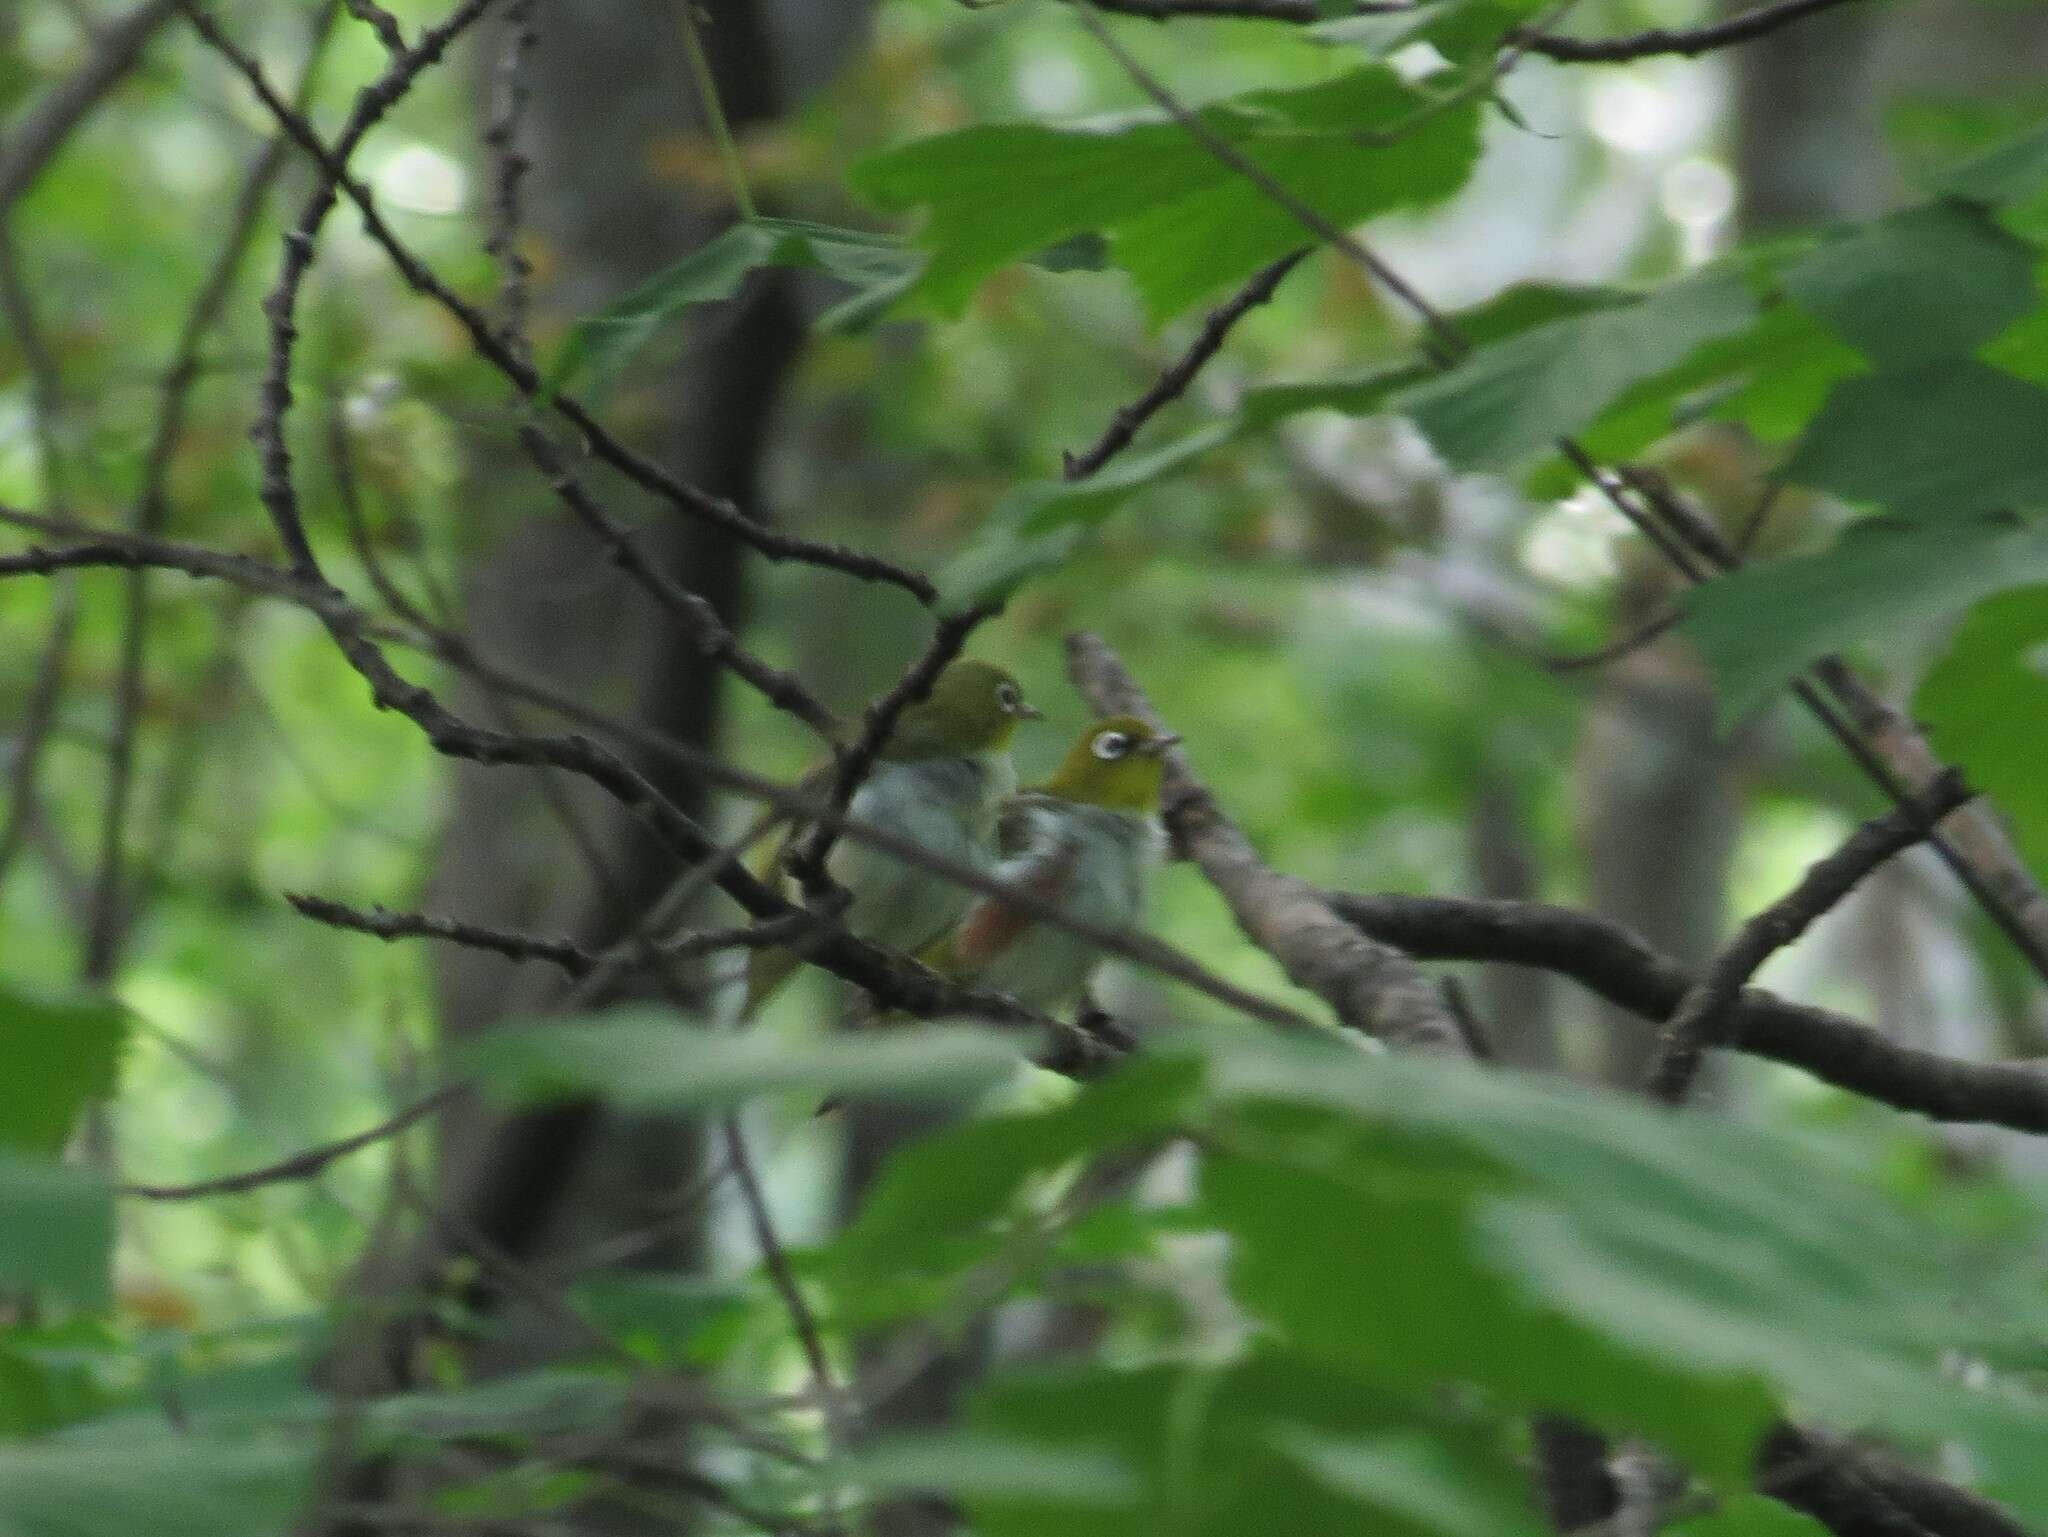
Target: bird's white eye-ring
<point>1112,745</point>
<point>1007,696</point>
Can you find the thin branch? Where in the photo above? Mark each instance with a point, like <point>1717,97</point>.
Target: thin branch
<point>775,1260</point>
<point>1702,1016</point>
<point>573,959</point>
<point>307,1164</point>
<point>1373,988</point>
<point>379,21</point>
<point>510,164</point>
<point>484,337</point>
<point>151,512</point>
<point>1689,42</point>
<point>1174,379</point>
<point>40,132</point>
<point>1614,963</point>
<point>1442,341</point>
<point>693,612</point>
<point>38,715</point>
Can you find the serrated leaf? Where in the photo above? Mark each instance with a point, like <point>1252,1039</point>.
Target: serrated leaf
<point>1758,626</point>
<point>657,1060</point>
<point>598,345</point>
<point>1181,222</point>
<point>1983,703</point>
<point>1513,400</point>
<point>1931,282</point>
<point>56,1230</point>
<point>153,1480</point>
<point>1945,440</point>
<point>61,1054</point>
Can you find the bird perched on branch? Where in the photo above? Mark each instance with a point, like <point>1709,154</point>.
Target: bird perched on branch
<point>939,782</point>
<point>1083,842</point>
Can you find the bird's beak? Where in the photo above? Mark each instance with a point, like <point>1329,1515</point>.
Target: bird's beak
<point>1156,746</point>
<point>1025,711</point>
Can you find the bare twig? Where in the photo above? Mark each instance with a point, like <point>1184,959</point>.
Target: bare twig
<point>379,21</point>
<point>1689,42</point>
<point>511,163</point>
<point>571,958</point>
<point>307,1164</point>
<point>775,1260</point>
<point>1373,988</point>
<point>39,132</point>
<point>699,620</point>
<point>1174,379</point>
<point>1701,1018</point>
<point>151,512</point>
<point>484,337</point>
<point>38,715</point>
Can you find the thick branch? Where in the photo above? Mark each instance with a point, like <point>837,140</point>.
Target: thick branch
<point>1687,41</point>
<point>1614,963</point>
<point>1372,987</point>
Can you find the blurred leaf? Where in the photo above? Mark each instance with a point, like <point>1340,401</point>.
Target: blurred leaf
<point>653,1059</point>
<point>1748,1515</point>
<point>1983,703</point>
<point>61,1054</point>
<point>599,345</point>
<point>1256,1445</point>
<point>1416,1482</point>
<point>56,1230</point>
<point>1931,282</point>
<point>151,1480</point>
<point>978,1464</point>
<point>2005,173</point>
<point>1562,1248</point>
<point>1948,439</point>
<point>662,1317</point>
<point>1514,399</point>
<point>1758,626</point>
<point>1178,220</point>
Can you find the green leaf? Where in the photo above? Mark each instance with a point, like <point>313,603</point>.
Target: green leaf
<point>2005,173</point>
<point>979,1465</point>
<point>150,1479</point>
<point>1983,703</point>
<point>1413,1481</point>
<point>1181,222</point>
<point>1567,1249</point>
<point>61,1054</point>
<point>656,1060</point>
<point>1748,1515</point>
<point>1258,1445</point>
<point>56,1230</point>
<point>1513,400</point>
<point>1932,282</point>
<point>598,345</point>
<point>1949,439</point>
<point>1760,625</point>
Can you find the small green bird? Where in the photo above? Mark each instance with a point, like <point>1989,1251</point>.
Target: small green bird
<point>939,783</point>
<point>1083,842</point>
